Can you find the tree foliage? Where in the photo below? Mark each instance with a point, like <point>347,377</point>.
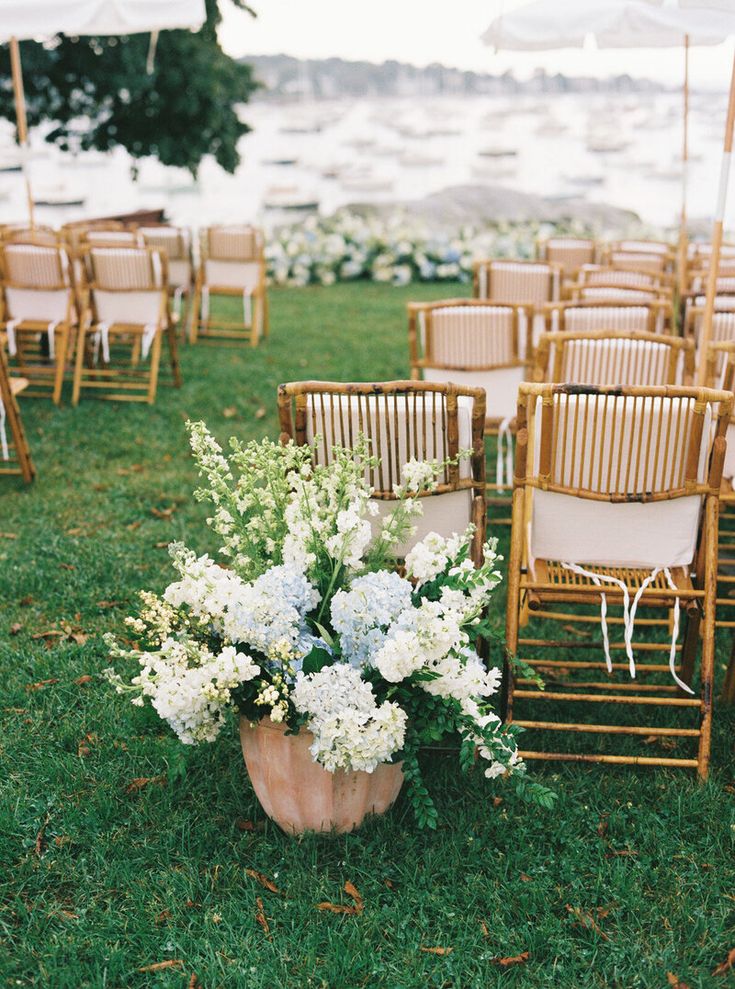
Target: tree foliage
<point>97,94</point>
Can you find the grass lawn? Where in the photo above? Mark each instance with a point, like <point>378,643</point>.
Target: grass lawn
<point>121,849</point>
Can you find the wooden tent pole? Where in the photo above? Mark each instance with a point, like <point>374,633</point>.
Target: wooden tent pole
<point>21,121</point>
<point>683,237</point>
<point>714,262</point>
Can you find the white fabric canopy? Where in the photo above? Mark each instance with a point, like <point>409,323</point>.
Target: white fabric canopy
<point>28,19</point>
<point>546,25</point>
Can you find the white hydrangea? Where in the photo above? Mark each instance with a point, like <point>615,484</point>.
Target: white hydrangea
<point>420,636</point>
<point>190,687</point>
<point>362,614</point>
<point>431,556</point>
<point>351,731</point>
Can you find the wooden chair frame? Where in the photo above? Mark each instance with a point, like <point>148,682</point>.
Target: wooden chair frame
<point>567,247</point>
<point>133,383</point>
<point>181,237</point>
<point>219,329</point>
<point>293,411</point>
<point>19,462</point>
<point>487,265</point>
<point>44,379</point>
<point>549,363</point>
<point>552,586</point>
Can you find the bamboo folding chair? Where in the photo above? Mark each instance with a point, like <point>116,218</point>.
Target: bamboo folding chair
<point>640,255</point>
<point>127,317</point>
<point>232,263</point>
<point>402,420</point>
<point>521,283</point>
<point>39,313</point>
<point>97,237</point>
<point>570,253</point>
<point>176,242</point>
<point>15,456</point>
<point>598,274</point>
<point>21,232</point>
<point>601,314</point>
<point>611,485</point>
<point>721,373</point>
<point>614,357</point>
<point>472,343</point>
<point>618,293</point>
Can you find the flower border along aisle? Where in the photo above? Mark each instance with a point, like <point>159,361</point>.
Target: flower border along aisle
<point>312,629</point>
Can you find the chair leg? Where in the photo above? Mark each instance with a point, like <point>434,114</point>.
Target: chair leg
<point>708,637</point>
<point>173,349</point>
<point>728,689</point>
<point>195,310</point>
<point>62,348</point>
<point>155,362</point>
<point>690,644</point>
<point>266,316</point>
<point>79,365</point>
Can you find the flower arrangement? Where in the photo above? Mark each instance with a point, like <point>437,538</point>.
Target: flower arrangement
<point>310,625</point>
<point>397,250</point>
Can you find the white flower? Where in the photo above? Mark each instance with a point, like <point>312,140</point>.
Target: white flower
<point>350,730</point>
<point>361,615</point>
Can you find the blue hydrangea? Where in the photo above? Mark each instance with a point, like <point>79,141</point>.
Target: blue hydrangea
<point>362,615</point>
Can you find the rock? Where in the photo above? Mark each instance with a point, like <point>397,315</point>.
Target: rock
<point>480,204</point>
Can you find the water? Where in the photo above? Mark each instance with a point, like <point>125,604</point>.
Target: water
<point>394,149</point>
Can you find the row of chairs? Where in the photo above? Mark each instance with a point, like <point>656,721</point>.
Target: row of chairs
<point>616,493</point>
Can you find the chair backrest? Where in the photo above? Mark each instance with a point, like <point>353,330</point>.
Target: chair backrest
<point>518,282</point>
<point>608,315</point>
<point>402,420</point>
<point>127,284</point>
<point>109,238</point>
<point>638,261</point>
<point>175,241</point>
<point>232,243</point>
<point>616,475</point>
<point>38,282</point>
<point>570,253</point>
<point>615,293</point>
<point>610,357</point>
<point>74,233</point>
<point>598,274</point>
<point>472,343</point>
<point>20,233</point>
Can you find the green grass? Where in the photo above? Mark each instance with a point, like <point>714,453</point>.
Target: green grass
<point>97,882</point>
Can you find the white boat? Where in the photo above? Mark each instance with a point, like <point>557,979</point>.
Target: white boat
<point>498,152</point>
<point>57,196</point>
<point>290,198</point>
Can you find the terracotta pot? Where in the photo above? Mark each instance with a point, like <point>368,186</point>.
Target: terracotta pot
<point>299,795</point>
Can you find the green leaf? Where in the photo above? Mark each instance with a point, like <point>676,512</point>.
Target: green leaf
<point>317,659</point>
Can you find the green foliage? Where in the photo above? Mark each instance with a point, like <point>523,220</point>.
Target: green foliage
<point>97,93</point>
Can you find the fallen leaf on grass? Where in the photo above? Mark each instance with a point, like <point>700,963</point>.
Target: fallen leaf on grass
<point>582,633</point>
<point>484,928</point>
<point>132,469</point>
<point>194,982</point>
<point>66,566</point>
<point>192,905</point>
<point>662,741</point>
<point>15,710</point>
<point>230,412</point>
<point>358,907</point>
<point>160,966</point>
<point>389,883</point>
<point>727,965</point>
<point>140,782</point>
<point>675,982</point>
<point>68,915</point>
<point>52,633</point>
<point>15,628</point>
<point>436,951</point>
<point>75,532</point>
<point>260,412</point>
<point>84,678</point>
<point>40,842</point>
<point>163,513</point>
<point>8,535</point>
<point>42,683</point>
<point>163,916</point>
<point>264,881</point>
<point>513,960</point>
<point>61,839</point>
<point>109,604</point>
<point>132,526</point>
<point>525,878</point>
<point>85,746</point>
<point>261,917</point>
<point>24,602</point>
<point>497,801</point>
<point>242,825</point>
<point>162,545</point>
<point>585,919</point>
<point>621,853</point>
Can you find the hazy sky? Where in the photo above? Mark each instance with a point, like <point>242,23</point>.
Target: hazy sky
<point>447,31</point>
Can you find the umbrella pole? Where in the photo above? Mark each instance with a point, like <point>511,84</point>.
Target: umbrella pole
<point>714,261</point>
<point>683,238</point>
<point>20,117</point>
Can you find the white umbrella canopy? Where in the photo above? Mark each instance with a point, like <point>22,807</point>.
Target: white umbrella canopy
<point>27,19</point>
<point>23,20</point>
<point>546,25</point>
